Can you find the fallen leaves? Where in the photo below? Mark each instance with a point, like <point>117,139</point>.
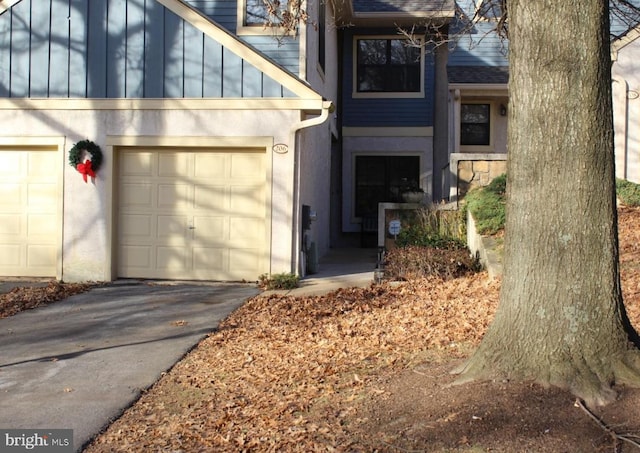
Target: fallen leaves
<point>287,374</point>
<point>27,297</point>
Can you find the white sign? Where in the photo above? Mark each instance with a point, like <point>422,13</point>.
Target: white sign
<point>394,227</point>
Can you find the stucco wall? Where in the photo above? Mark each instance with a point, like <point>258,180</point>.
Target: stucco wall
<point>626,111</point>
<point>88,211</point>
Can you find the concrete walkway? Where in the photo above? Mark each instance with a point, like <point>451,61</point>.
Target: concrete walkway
<point>340,268</point>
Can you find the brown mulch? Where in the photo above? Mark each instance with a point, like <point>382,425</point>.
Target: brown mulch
<point>366,370</point>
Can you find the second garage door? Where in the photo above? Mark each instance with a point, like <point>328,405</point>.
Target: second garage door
<point>29,219</point>
<point>196,215</point>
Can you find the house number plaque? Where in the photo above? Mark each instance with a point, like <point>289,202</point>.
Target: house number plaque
<point>280,148</point>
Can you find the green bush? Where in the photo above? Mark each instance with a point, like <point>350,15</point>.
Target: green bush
<point>628,192</point>
<point>487,205</point>
<point>284,280</point>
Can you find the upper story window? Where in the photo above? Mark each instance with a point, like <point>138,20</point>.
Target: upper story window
<point>262,13</point>
<point>388,66</point>
<point>475,124</point>
<point>490,9</point>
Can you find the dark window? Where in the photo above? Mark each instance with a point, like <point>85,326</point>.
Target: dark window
<point>388,65</point>
<point>475,126</point>
<point>381,179</point>
<point>491,9</point>
<point>257,12</point>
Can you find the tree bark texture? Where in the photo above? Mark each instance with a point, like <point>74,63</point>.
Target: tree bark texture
<point>561,320</point>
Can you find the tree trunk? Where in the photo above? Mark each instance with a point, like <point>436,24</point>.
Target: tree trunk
<point>561,320</point>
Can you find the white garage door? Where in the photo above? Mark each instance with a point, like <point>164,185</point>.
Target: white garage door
<point>191,215</point>
<point>29,222</point>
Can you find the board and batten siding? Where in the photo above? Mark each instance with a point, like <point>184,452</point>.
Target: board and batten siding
<point>285,52</point>
<point>118,49</point>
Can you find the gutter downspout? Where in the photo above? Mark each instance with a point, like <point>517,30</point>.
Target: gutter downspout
<point>327,107</point>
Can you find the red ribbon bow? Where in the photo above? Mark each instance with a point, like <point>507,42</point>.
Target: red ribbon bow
<point>85,169</point>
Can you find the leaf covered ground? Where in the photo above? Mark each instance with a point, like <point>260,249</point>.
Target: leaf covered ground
<point>366,370</point>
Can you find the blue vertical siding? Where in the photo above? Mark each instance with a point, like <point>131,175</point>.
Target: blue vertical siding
<point>154,54</point>
<point>77,71</point>
<point>134,62</point>
<point>212,74</point>
<point>122,49</point>
<point>5,56</point>
<point>39,62</point>
<point>193,61</point>
<point>173,57</point>
<point>96,53</point>
<point>20,42</point>
<point>116,48</point>
<point>58,54</point>
<point>232,68</point>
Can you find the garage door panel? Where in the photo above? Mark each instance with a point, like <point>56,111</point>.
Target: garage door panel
<point>136,195</point>
<point>41,225</point>
<point>171,258</point>
<point>135,256</point>
<point>205,224</point>
<point>41,166</point>
<point>29,212</point>
<point>11,256</point>
<point>12,165</point>
<point>244,261</point>
<point>211,197</point>
<point>210,230</point>
<point>173,165</point>
<point>209,259</point>
<point>173,228</point>
<point>247,200</point>
<point>41,256</point>
<point>10,225</point>
<point>134,227</point>
<point>174,196</point>
<point>11,198</point>
<point>245,232</point>
<point>247,166</point>
<point>212,166</point>
<point>136,164</point>
<point>42,197</point>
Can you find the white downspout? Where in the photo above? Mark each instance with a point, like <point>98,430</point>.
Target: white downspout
<point>327,107</point>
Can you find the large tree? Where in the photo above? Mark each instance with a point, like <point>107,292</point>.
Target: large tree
<point>561,319</point>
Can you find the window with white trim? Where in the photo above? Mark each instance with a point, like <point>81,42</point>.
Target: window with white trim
<point>475,124</point>
<point>388,65</point>
<point>490,9</point>
<point>262,13</point>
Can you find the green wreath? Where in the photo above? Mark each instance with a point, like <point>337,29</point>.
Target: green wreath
<point>76,154</point>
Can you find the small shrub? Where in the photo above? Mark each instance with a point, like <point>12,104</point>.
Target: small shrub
<point>434,228</point>
<point>628,192</point>
<point>487,205</point>
<point>284,280</point>
<point>408,263</point>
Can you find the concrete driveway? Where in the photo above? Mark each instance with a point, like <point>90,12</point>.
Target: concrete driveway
<point>78,363</point>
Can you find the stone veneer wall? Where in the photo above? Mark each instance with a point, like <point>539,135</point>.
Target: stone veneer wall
<point>478,173</point>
